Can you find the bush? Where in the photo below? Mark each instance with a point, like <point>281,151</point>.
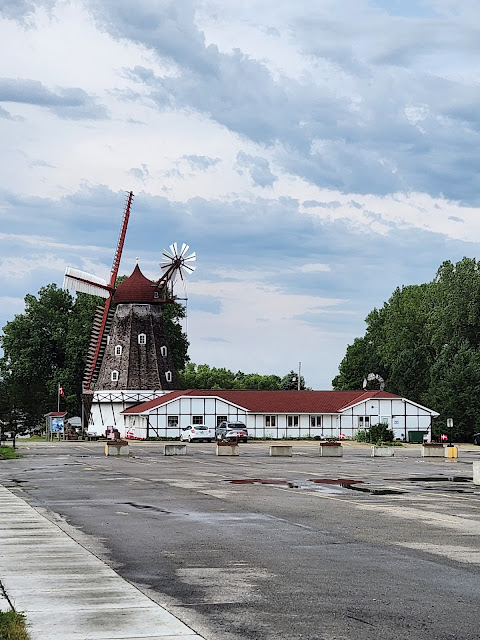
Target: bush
<point>362,435</point>
<point>376,434</point>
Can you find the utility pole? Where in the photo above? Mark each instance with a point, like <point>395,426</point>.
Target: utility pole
<point>298,381</point>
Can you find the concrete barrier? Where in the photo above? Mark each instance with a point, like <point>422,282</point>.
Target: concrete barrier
<point>230,449</point>
<point>117,449</point>
<point>432,451</point>
<point>281,450</point>
<point>175,449</point>
<point>476,472</point>
<point>382,452</point>
<point>331,450</point>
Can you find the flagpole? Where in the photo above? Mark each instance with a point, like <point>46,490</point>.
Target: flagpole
<point>58,398</point>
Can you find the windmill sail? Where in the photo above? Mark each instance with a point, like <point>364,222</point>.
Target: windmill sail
<point>84,282</point>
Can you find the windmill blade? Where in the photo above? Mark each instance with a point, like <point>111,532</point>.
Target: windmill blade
<point>185,248</point>
<point>191,258</point>
<point>83,282</point>
<point>174,250</point>
<point>167,256</point>
<point>188,268</point>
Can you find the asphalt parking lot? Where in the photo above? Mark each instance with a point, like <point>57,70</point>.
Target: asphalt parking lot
<point>260,547</point>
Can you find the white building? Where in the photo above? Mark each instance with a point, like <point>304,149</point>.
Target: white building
<point>277,414</point>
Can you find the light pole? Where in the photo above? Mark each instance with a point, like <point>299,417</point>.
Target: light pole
<point>450,430</point>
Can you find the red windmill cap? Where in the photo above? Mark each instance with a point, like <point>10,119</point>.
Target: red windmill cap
<point>135,289</point>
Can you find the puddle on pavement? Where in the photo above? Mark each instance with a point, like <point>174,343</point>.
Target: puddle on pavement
<point>327,485</point>
<point>259,481</point>
<point>433,479</point>
<point>147,507</point>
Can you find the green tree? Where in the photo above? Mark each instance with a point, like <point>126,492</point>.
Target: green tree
<point>290,381</point>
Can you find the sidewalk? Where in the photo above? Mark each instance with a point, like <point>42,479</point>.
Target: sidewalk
<point>65,591</point>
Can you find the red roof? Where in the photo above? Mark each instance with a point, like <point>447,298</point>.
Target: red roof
<point>135,289</point>
<point>274,401</point>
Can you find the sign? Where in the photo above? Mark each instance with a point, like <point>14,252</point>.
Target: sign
<point>56,425</point>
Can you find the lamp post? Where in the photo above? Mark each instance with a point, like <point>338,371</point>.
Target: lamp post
<point>450,430</point>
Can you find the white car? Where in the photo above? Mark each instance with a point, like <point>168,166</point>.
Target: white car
<point>197,433</point>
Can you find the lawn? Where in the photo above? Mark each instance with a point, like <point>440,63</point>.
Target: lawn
<point>7,453</point>
<point>12,626</point>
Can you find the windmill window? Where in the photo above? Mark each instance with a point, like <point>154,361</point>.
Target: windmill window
<point>197,419</point>
<point>315,421</point>
<point>292,421</point>
<point>142,338</point>
<point>270,421</point>
<point>155,294</point>
<point>221,419</point>
<point>363,422</point>
<point>172,421</point>
<point>163,351</point>
<point>168,376</point>
<point>114,376</point>
<point>118,350</point>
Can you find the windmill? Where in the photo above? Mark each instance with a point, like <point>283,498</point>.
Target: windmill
<point>129,358</point>
<point>83,282</point>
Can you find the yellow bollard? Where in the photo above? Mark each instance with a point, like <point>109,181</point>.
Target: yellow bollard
<point>451,452</point>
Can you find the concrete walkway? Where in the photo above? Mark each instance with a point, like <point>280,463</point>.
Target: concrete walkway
<point>65,591</point>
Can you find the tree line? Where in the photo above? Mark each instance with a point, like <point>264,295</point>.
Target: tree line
<point>425,343</point>
<point>47,345</point>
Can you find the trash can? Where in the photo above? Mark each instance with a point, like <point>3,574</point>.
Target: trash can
<point>415,437</point>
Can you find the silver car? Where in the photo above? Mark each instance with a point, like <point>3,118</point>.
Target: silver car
<point>232,432</point>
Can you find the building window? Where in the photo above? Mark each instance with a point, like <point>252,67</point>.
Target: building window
<point>163,351</point>
<point>221,419</point>
<point>316,421</point>
<point>197,419</point>
<point>270,421</point>
<point>142,338</point>
<point>363,422</point>
<point>292,421</point>
<point>114,376</point>
<point>118,350</point>
<point>172,421</point>
<point>168,376</point>
<point>108,339</point>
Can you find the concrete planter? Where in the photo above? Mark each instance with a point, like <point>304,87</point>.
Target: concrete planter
<point>432,450</point>
<point>382,452</point>
<point>330,450</point>
<point>230,449</point>
<point>281,450</point>
<point>175,449</point>
<point>117,448</point>
<point>476,472</point>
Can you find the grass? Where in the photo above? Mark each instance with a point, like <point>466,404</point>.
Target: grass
<point>7,453</point>
<point>12,626</point>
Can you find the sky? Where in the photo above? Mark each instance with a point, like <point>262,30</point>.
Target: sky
<point>316,155</point>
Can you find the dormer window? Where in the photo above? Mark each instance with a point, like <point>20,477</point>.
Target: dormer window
<point>155,294</point>
<point>118,350</point>
<point>163,351</point>
<point>114,376</point>
<point>168,376</point>
<point>142,338</point>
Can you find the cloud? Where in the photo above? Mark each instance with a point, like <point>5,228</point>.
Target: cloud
<point>201,162</point>
<point>141,173</point>
<point>331,124</point>
<point>66,103</point>
<point>23,10</point>
<point>258,168</point>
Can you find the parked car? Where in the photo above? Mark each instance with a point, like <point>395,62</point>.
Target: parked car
<point>476,438</point>
<point>197,433</point>
<point>231,432</point>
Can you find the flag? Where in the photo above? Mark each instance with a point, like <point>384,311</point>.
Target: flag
<point>60,390</point>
